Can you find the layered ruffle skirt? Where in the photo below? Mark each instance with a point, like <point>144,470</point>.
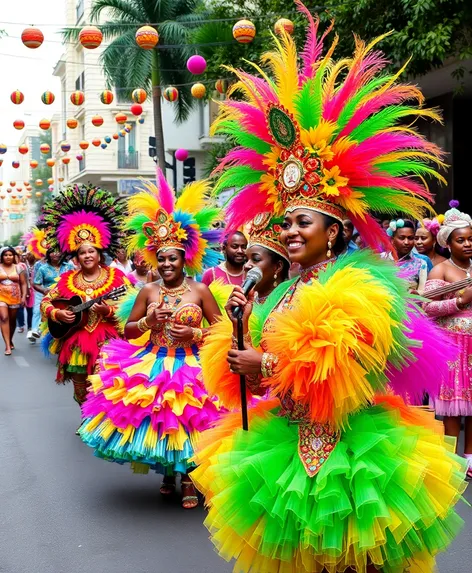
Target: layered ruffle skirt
<point>384,496</point>
<point>147,406</point>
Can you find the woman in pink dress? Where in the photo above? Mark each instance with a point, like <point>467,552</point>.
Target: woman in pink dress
<point>453,312</point>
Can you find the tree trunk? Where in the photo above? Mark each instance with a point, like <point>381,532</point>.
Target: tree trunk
<point>157,109</point>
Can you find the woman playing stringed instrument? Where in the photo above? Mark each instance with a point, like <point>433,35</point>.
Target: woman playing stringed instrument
<point>83,222</point>
<point>454,313</point>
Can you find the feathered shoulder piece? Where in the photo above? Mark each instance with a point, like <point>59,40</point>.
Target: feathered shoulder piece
<point>334,136</point>
<point>157,220</point>
<point>83,214</point>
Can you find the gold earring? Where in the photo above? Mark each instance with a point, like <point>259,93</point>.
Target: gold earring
<point>275,280</point>
<point>328,253</point>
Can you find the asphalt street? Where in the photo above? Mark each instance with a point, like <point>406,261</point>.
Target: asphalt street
<point>64,511</point>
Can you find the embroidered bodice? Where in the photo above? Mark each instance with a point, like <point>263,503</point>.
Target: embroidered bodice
<point>188,314</point>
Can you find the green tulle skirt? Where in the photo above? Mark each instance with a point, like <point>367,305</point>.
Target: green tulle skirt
<point>385,495</point>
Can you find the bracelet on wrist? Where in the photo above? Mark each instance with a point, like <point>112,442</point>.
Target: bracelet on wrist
<point>53,315</point>
<point>268,364</point>
<point>197,335</point>
<point>142,324</point>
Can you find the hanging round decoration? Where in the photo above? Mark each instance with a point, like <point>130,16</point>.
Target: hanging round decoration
<point>122,133</point>
<point>196,65</point>
<point>127,128</point>
<point>171,93</point>
<point>221,86</point>
<point>198,91</point>
<point>141,120</point>
<point>72,123</point>
<point>3,148</point>
<point>61,179</point>
<point>19,124</point>
<point>65,146</point>
<point>50,162</point>
<point>45,124</point>
<point>12,183</point>
<point>90,37</point>
<point>17,97</point>
<point>181,154</point>
<point>38,182</point>
<point>50,181</point>
<point>79,157</point>
<point>15,164</point>
<point>48,98</point>
<point>106,97</point>
<point>96,142</point>
<point>33,164</point>
<point>97,120</point>
<point>32,38</point>
<point>121,118</point>
<point>77,97</point>
<point>136,109</point>
<point>84,144</point>
<point>103,145</point>
<point>23,149</point>
<point>9,190</point>
<point>38,193</point>
<point>115,136</point>
<point>1,162</point>
<point>284,24</point>
<point>45,148</point>
<point>244,31</point>
<point>107,139</point>
<point>147,37</point>
<point>66,160</point>
<point>139,95</point>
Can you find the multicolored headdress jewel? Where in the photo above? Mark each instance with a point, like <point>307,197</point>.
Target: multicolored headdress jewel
<point>453,219</point>
<point>35,242</point>
<point>326,135</point>
<point>265,232</point>
<point>158,221</point>
<point>84,215</point>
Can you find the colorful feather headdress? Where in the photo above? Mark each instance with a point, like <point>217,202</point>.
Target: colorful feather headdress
<point>326,135</point>
<point>84,215</point>
<point>35,242</point>
<point>265,232</point>
<point>158,221</point>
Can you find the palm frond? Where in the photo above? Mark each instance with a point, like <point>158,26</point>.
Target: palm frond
<point>119,10</point>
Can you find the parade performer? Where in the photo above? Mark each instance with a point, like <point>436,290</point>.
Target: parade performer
<point>148,404</point>
<point>426,241</point>
<point>453,313</point>
<point>339,477</point>
<point>13,291</point>
<point>83,222</point>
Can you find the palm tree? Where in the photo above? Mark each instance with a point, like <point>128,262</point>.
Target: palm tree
<point>126,66</point>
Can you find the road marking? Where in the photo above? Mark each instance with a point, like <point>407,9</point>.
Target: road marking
<point>22,362</point>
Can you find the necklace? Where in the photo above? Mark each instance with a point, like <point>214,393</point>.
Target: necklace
<point>312,272</point>
<point>89,286</point>
<point>228,274</point>
<point>176,291</point>
<point>95,279</point>
<point>466,271</point>
<point>260,299</point>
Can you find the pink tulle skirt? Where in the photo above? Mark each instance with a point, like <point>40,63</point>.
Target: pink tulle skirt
<point>455,393</point>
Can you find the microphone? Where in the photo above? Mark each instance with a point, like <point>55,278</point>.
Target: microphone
<point>252,278</point>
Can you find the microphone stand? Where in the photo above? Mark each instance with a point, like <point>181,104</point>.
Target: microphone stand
<point>242,377</point>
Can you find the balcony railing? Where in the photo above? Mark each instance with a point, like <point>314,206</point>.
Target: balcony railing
<point>128,160</point>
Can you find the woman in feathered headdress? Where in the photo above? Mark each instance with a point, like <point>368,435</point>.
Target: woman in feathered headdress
<point>148,403</point>
<point>82,222</point>
<point>340,477</point>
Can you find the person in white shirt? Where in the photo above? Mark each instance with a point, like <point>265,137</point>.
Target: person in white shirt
<point>122,262</point>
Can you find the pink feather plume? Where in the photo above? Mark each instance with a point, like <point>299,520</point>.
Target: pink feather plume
<point>70,222</point>
<point>165,194</point>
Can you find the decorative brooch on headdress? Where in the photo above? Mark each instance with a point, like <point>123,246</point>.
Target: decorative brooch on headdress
<point>84,215</point>
<point>265,232</point>
<point>158,221</point>
<point>325,135</point>
<point>35,242</point>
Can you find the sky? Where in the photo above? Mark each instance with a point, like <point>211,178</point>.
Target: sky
<point>30,71</point>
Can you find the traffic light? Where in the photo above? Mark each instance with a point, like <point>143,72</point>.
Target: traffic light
<point>189,170</point>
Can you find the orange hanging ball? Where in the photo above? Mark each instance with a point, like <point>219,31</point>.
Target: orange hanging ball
<point>171,93</point>
<point>17,97</point>
<point>121,118</point>
<point>284,24</point>
<point>90,37</point>
<point>115,136</point>
<point>96,142</point>
<point>97,120</point>
<point>19,124</point>
<point>77,97</point>
<point>38,193</point>
<point>33,164</point>
<point>244,31</point>
<point>66,160</point>
<point>45,124</point>
<point>32,38</point>
<point>38,182</point>
<point>139,95</point>
<point>147,37</point>
<point>198,91</point>
<point>83,144</point>
<point>106,97</point>
<point>45,148</point>
<point>50,162</point>
<point>50,181</point>
<point>72,123</point>
<point>48,98</point>
<point>23,149</point>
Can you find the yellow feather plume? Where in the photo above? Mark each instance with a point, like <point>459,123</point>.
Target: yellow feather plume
<point>194,197</point>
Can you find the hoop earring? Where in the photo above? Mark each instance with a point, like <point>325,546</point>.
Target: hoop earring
<point>275,280</point>
<point>329,253</point>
